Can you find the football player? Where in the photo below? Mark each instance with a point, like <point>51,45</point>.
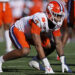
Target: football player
<point>29,31</point>
<point>6,20</point>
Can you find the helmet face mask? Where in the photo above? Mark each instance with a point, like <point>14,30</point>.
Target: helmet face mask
<point>57,18</point>
<point>55,12</point>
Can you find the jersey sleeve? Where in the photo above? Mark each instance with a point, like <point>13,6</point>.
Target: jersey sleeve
<point>36,24</point>
<point>35,29</point>
<point>56,33</point>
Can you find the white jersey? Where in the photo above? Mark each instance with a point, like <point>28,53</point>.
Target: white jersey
<point>39,19</point>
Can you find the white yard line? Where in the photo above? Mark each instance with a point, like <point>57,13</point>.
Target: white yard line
<point>13,66</point>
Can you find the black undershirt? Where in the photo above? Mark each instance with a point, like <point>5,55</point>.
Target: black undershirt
<point>50,24</point>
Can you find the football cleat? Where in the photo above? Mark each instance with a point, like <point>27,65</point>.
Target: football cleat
<point>35,64</point>
<point>48,70</point>
<point>65,67</point>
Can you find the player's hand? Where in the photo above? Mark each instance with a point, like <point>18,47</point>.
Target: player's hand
<point>48,70</point>
<point>65,67</point>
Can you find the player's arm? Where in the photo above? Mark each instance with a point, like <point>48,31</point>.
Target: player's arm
<point>65,37</point>
<point>35,31</point>
<point>57,38</point>
<point>59,46</point>
<point>37,42</point>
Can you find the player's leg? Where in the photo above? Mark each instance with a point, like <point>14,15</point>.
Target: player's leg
<point>7,20</point>
<point>51,49</point>
<point>22,45</point>
<point>7,38</point>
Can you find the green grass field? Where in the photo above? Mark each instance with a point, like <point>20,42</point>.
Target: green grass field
<point>21,67</point>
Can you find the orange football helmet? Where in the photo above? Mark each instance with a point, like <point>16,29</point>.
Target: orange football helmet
<point>55,12</point>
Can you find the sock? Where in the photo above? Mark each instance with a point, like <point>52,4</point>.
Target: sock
<point>35,58</point>
<point>1,59</point>
<point>46,62</point>
<point>8,41</point>
<point>1,62</point>
<point>62,59</point>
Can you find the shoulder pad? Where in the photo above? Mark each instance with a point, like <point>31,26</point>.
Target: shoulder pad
<point>37,18</point>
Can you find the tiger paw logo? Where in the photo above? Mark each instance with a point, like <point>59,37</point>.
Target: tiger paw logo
<point>44,24</point>
<point>43,19</point>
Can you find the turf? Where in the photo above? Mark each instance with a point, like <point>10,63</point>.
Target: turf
<point>21,67</point>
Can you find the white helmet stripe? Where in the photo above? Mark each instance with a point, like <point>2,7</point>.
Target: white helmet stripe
<point>61,8</point>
